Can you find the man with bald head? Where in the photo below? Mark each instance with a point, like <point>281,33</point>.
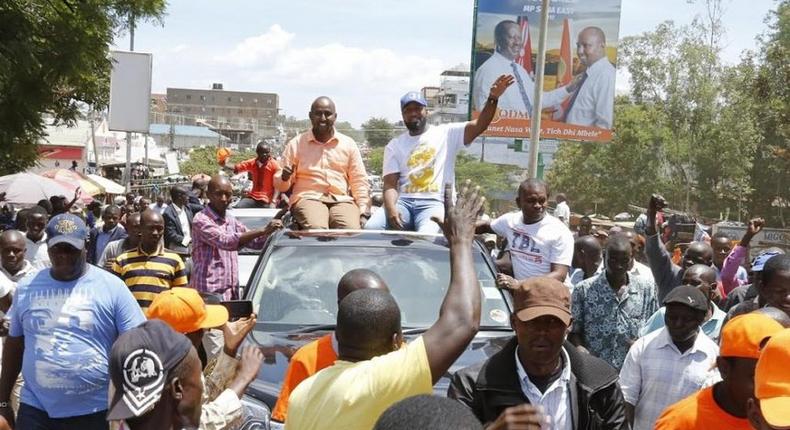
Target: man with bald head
<point>592,104</point>
<point>216,239</point>
<point>150,268</point>
<point>322,353</point>
<point>321,166</point>
<point>13,265</point>
<point>704,278</point>
<point>667,274</point>
<point>586,258</point>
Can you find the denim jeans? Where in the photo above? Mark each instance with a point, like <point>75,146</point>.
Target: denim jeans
<point>415,213</point>
<point>30,418</point>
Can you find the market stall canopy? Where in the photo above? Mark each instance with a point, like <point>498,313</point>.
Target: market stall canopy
<point>29,189</point>
<point>75,179</point>
<point>110,187</point>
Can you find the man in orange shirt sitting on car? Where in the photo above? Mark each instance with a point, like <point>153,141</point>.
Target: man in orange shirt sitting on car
<point>262,168</point>
<point>321,353</point>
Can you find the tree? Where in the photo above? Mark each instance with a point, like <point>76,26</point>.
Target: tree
<point>375,161</point>
<point>491,178</point>
<point>54,60</point>
<point>378,131</point>
<point>204,160</point>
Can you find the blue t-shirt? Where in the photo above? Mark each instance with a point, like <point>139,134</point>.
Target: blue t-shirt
<point>69,328</point>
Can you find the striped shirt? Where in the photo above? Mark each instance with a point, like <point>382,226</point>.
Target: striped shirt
<point>215,255</point>
<point>147,275</point>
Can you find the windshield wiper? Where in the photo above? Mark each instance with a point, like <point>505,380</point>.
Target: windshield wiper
<point>314,328</point>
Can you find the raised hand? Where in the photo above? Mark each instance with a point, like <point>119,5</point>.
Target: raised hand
<point>500,85</point>
<point>460,218</point>
<point>235,332</point>
<point>755,226</point>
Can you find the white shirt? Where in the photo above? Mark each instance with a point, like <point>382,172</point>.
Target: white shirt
<point>425,162</point>
<point>36,252</point>
<point>534,247</point>
<point>655,374</point>
<point>185,227</point>
<point>159,209</point>
<point>594,105</point>
<point>512,98</point>
<point>8,281</point>
<point>563,212</point>
<point>556,401</point>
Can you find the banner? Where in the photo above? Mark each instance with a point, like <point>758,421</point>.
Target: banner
<point>579,79</point>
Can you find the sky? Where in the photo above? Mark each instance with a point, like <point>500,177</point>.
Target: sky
<point>363,54</point>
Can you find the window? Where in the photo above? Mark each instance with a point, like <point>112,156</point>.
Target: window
<point>202,98</point>
<point>269,101</point>
<point>230,99</point>
<point>241,111</point>
<point>189,96</point>
<point>255,101</point>
<point>241,99</point>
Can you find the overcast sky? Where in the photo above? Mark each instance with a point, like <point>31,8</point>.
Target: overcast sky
<point>364,54</point>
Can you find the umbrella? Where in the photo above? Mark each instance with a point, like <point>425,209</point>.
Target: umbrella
<point>28,188</point>
<point>110,187</point>
<point>74,179</point>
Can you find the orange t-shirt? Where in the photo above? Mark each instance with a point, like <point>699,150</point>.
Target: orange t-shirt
<point>699,411</point>
<point>306,362</point>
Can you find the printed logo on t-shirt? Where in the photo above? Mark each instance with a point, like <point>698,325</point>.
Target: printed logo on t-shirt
<point>421,162</point>
<point>527,246</point>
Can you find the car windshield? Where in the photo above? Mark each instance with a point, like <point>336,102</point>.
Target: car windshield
<point>253,223</point>
<point>298,287</point>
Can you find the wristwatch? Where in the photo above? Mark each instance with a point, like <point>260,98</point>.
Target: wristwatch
<point>5,405</point>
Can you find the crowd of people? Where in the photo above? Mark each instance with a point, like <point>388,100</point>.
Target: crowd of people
<point>114,315</point>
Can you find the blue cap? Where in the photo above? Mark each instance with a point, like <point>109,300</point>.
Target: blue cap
<point>761,259</point>
<point>412,96</point>
<point>67,228</point>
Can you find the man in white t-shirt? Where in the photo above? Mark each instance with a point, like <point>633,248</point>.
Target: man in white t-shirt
<point>539,244</point>
<point>419,162</point>
<point>563,212</point>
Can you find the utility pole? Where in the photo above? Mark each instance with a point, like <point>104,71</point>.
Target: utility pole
<point>128,174</point>
<point>534,146</point>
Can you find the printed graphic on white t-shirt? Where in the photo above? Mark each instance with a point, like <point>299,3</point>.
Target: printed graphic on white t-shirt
<point>534,247</point>
<point>425,162</point>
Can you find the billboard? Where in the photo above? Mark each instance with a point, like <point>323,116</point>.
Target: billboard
<point>130,91</point>
<point>579,77</point>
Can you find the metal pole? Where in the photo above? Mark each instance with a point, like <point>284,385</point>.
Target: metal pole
<point>128,170</point>
<point>535,133</point>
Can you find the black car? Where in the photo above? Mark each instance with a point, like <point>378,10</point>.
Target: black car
<point>294,292</point>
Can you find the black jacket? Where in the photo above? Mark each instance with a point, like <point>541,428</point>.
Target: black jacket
<point>174,234</point>
<point>94,254</point>
<point>490,387</point>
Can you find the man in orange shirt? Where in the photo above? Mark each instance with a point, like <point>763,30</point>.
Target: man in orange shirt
<point>321,353</point>
<point>322,165</point>
<point>263,169</point>
<point>724,404</point>
<point>769,407</point>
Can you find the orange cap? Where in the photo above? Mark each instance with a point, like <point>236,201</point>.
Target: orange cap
<point>222,155</point>
<point>185,311</point>
<point>772,380</point>
<point>743,335</point>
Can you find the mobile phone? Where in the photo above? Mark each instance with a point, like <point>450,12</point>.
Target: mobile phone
<point>238,308</point>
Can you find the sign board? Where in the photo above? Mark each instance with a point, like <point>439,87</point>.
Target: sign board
<point>767,238</point>
<point>171,158</point>
<point>130,91</point>
<point>581,55</point>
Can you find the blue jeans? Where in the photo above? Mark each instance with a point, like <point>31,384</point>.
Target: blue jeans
<point>415,213</point>
<point>30,418</point>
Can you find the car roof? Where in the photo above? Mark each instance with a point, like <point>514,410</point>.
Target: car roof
<point>359,238</point>
<point>253,212</point>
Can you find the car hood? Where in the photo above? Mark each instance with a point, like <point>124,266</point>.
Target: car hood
<point>279,347</point>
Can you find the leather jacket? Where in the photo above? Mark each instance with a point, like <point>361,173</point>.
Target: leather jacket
<point>490,387</point>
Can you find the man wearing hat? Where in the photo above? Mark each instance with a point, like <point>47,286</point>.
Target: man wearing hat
<point>539,368</point>
<point>420,161</point>
<point>769,407</point>
<point>724,404</point>
<point>669,364</point>
<point>63,324</point>
<point>156,375</point>
<point>226,377</point>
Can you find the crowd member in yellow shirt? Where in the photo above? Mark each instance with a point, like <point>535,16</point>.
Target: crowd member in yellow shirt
<point>373,371</point>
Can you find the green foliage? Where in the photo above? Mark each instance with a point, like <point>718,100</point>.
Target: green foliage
<point>491,178</point>
<point>374,161</point>
<point>378,131</point>
<point>54,59</point>
<point>204,160</point>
